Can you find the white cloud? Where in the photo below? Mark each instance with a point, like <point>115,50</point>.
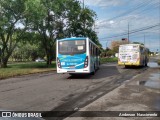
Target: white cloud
<point>114,20</point>
<point>111,22</point>
<point>103,3</point>
<point>118,26</point>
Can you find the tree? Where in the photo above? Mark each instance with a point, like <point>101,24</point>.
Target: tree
<point>110,53</point>
<point>50,19</point>
<point>12,14</point>
<point>138,43</point>
<point>81,22</point>
<point>47,18</point>
<point>27,52</point>
<point>58,19</point>
<point>115,45</point>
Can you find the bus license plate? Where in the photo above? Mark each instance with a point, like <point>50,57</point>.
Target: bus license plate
<point>72,67</point>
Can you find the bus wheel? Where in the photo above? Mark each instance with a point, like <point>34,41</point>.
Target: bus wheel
<point>92,73</point>
<point>126,66</point>
<point>145,64</point>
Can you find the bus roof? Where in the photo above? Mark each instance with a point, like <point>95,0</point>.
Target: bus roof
<point>73,38</point>
<point>131,45</point>
<point>78,38</point>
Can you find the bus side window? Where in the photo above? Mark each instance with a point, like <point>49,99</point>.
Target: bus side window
<point>98,52</point>
<point>90,48</point>
<point>94,51</point>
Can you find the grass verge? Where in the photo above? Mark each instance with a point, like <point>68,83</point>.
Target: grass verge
<point>17,69</point>
<point>105,60</point>
<point>25,68</point>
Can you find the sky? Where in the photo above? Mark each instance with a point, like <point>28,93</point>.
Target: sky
<point>116,17</point>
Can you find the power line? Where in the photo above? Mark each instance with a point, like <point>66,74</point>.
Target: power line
<point>139,6</point>
<point>133,31</point>
<point>143,11</point>
<point>139,9</point>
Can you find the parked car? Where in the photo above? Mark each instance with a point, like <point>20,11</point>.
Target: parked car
<point>39,60</point>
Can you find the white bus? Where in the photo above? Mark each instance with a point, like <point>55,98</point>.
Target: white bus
<point>133,55</point>
<point>77,55</point>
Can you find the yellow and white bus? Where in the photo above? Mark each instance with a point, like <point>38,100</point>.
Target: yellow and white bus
<point>133,55</point>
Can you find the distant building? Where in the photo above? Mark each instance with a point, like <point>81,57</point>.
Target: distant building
<point>125,39</point>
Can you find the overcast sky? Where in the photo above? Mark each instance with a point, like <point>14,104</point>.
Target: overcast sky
<point>115,15</point>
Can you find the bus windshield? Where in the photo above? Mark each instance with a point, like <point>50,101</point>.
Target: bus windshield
<point>70,47</point>
<point>129,49</point>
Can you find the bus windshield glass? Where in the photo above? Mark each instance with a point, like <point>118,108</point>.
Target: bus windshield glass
<point>70,47</point>
<point>129,49</point>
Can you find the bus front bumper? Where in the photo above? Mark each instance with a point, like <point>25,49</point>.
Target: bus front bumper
<point>129,63</point>
<point>73,71</point>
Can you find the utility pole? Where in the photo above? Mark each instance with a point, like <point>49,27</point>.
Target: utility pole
<point>83,4</point>
<point>159,30</point>
<point>106,45</point>
<point>84,21</point>
<point>128,32</point>
<point>144,39</point>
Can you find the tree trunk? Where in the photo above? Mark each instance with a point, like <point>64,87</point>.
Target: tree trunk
<point>3,63</point>
<point>49,60</point>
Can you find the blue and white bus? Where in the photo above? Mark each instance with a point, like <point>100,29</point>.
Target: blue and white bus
<point>77,55</point>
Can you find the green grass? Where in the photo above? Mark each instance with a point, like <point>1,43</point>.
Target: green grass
<point>105,60</point>
<point>16,69</point>
<point>25,68</point>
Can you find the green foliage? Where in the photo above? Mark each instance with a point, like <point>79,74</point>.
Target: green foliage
<point>115,45</point>
<point>105,60</point>
<point>138,43</point>
<point>12,13</point>
<point>27,52</point>
<point>17,69</point>
<point>58,19</point>
<point>41,22</point>
<point>107,53</point>
<point>110,53</point>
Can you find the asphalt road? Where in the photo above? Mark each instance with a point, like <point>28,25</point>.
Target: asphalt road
<point>61,92</point>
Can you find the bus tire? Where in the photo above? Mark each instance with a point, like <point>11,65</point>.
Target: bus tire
<point>126,66</point>
<point>93,73</point>
<point>145,64</point>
